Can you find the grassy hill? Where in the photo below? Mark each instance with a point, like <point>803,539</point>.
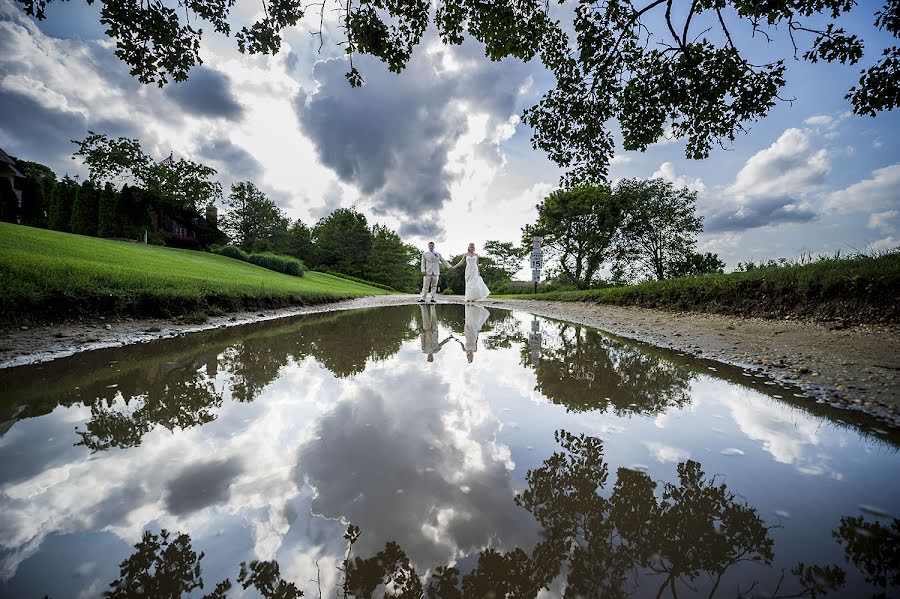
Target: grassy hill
<point>854,290</point>
<point>48,274</point>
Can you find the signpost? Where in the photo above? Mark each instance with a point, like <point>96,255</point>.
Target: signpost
<point>534,341</point>
<point>537,260</point>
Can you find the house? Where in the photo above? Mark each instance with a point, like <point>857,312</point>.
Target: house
<point>9,172</point>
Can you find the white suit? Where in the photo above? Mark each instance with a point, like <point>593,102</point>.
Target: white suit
<point>431,266</point>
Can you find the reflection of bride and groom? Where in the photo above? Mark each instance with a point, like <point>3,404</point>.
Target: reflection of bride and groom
<point>476,316</point>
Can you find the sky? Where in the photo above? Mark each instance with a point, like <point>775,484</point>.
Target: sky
<point>439,152</point>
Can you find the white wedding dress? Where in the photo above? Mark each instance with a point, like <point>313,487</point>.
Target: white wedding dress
<point>475,287</point>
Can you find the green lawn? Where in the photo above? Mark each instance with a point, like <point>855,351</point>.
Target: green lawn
<point>862,289</point>
<point>51,274</point>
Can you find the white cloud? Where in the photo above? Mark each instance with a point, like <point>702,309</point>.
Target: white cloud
<point>666,171</point>
<point>879,192</point>
<point>666,453</point>
<point>791,166</point>
<point>883,220</point>
<point>819,120</point>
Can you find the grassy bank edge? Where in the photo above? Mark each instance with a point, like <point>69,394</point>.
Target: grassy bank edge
<point>52,276</point>
<point>854,291</point>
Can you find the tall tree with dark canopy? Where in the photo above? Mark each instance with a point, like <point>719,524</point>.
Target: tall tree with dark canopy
<point>506,256</point>
<point>299,243</point>
<point>391,261</point>
<point>578,227</point>
<point>344,241</point>
<point>85,209</point>
<point>250,215</point>
<point>649,66</point>
<point>659,229</point>
<point>62,198</point>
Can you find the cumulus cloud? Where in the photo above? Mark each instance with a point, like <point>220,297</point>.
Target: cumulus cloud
<point>395,137</point>
<point>233,161</point>
<point>201,485</point>
<point>774,186</point>
<point>878,192</point>
<point>206,93</point>
<point>666,171</point>
<point>819,120</point>
<point>884,221</point>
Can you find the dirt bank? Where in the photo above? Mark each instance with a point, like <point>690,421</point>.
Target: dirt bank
<point>856,367</point>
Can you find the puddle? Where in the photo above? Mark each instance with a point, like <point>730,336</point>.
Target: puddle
<point>480,452</point>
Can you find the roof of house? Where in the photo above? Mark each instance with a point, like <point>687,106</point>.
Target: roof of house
<point>11,162</point>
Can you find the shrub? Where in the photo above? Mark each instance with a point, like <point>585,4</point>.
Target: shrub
<point>278,263</point>
<point>232,251</point>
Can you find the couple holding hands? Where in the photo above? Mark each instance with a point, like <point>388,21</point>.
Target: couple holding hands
<point>431,270</point>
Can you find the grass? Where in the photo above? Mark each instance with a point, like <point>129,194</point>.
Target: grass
<point>47,274</point>
<point>855,289</point>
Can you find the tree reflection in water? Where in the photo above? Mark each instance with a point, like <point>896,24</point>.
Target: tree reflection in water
<point>582,370</point>
<point>181,393</point>
<point>683,540</point>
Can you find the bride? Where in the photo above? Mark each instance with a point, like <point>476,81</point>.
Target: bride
<point>475,287</point>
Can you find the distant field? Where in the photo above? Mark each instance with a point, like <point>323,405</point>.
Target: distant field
<point>48,274</point>
<point>862,289</point>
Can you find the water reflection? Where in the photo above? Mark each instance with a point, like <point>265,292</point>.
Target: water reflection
<point>643,538</point>
<point>584,370</point>
<point>262,442</point>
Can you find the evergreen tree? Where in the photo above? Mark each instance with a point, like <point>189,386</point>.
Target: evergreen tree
<point>85,208</point>
<point>391,261</point>
<point>33,203</point>
<point>300,244</point>
<point>251,217</point>
<point>62,198</point>
<point>344,241</point>
<point>109,221</point>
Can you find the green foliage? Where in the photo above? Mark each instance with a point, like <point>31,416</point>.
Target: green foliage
<point>578,227</point>
<point>855,289</point>
<point>251,217</point>
<point>232,251</point>
<point>183,184</point>
<point>284,264</point>
<point>696,264</point>
<point>299,243</point>
<point>51,274</point>
<point>62,198</point>
<point>109,218</point>
<point>505,255</point>
<point>646,67</point>
<point>159,567</point>
<point>391,261</point>
<point>34,203</point>
<point>344,241</point>
<point>659,229</point>
<point>85,210</point>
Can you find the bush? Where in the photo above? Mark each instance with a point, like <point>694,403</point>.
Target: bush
<point>355,279</point>
<point>232,251</point>
<point>278,263</point>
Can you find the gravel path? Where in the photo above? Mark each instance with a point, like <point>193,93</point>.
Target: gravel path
<point>856,367</point>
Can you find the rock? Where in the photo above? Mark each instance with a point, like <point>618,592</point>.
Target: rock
<point>108,327</point>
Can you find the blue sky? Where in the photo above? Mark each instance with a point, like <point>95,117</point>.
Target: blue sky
<point>438,151</point>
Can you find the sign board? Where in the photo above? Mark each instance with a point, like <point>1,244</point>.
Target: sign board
<point>536,275</point>
<point>536,242</point>
<point>535,326</point>
<point>537,262</point>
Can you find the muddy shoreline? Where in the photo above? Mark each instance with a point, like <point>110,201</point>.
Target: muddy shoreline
<point>854,367</point>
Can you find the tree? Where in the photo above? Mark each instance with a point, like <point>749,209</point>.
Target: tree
<point>250,215</point>
<point>109,219</point>
<point>578,226</point>
<point>391,261</point>
<point>182,183</point>
<point>644,65</point>
<point>659,230</point>
<point>85,209</point>
<point>36,189</point>
<point>505,255</point>
<point>695,264</point>
<point>62,198</point>
<point>344,241</point>
<point>299,243</point>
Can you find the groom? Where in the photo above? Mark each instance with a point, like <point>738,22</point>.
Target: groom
<point>431,270</point>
